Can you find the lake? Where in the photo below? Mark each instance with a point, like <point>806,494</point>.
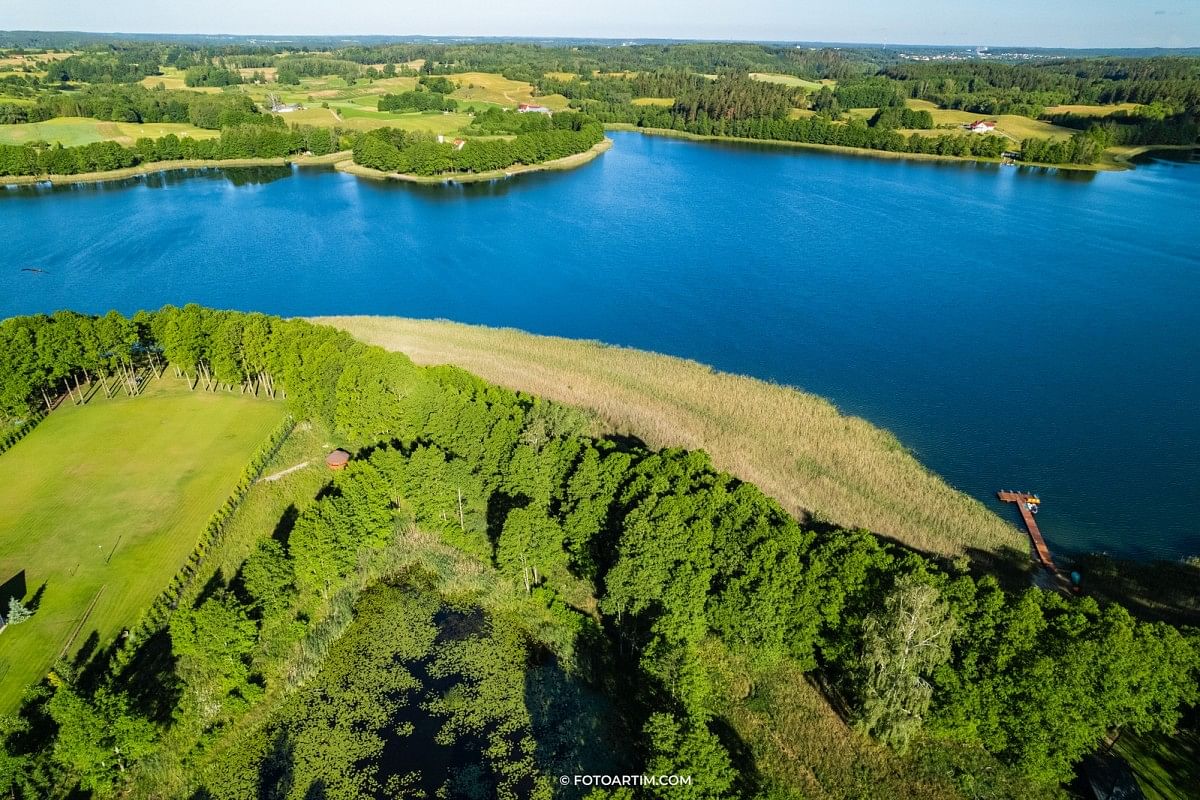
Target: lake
<point>1016,328</point>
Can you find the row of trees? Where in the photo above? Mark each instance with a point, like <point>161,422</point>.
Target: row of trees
<point>391,150</point>
<point>1082,148</point>
<point>120,103</point>
<point>893,117</point>
<point>813,130</point>
<point>677,554</point>
<point>124,64</point>
<point>417,101</point>
<point>211,75</point>
<point>241,141</point>
<point>1137,127</point>
<point>992,87</point>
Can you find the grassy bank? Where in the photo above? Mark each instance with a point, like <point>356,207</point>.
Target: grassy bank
<point>797,447</point>
<point>152,167</point>
<point>570,162</point>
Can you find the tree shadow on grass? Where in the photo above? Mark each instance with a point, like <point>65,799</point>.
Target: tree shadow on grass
<point>287,521</point>
<point>35,602</point>
<point>749,780</point>
<point>215,585</point>
<point>150,680</point>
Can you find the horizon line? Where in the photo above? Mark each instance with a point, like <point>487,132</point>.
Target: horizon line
<point>618,39</point>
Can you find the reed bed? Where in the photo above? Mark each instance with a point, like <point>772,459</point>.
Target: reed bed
<point>818,462</point>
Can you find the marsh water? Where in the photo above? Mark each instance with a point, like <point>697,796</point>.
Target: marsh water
<point>1015,328</point>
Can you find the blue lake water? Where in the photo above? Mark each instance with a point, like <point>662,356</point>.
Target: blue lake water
<point>1015,328</point>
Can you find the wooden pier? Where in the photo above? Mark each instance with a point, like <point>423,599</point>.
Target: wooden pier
<point>1023,499</point>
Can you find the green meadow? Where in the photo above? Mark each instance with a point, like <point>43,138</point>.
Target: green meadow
<point>790,80</point>
<point>72,131</point>
<point>102,503</point>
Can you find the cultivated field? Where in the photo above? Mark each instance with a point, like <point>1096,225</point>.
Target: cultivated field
<point>101,504</point>
<point>71,131</point>
<point>654,101</point>
<point>797,447</point>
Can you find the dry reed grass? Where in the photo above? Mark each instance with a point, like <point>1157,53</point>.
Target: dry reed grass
<point>796,446</point>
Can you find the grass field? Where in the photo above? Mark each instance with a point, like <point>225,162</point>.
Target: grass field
<point>492,88</point>
<point>654,101</point>
<point>72,131</point>
<point>1093,111</point>
<point>104,502</point>
<point>1013,126</point>
<point>354,107</point>
<point>172,78</point>
<point>791,80</point>
<point>797,447</point>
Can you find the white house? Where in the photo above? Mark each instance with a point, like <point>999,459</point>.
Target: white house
<point>982,126</point>
<point>532,108</point>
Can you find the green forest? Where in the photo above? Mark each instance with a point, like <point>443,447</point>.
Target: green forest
<point>538,138</point>
<point>241,141</point>
<point>489,597</point>
<point>708,89</point>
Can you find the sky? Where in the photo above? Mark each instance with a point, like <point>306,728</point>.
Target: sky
<point>1045,23</point>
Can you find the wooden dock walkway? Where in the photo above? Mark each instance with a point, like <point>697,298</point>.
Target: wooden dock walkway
<point>1022,500</point>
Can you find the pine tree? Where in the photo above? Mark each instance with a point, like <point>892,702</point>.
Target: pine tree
<point>17,612</point>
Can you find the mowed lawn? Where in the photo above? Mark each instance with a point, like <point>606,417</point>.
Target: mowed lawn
<point>107,500</point>
<point>73,131</point>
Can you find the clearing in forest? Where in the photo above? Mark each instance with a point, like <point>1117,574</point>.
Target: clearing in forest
<point>104,502</point>
<point>791,80</point>
<point>488,87</point>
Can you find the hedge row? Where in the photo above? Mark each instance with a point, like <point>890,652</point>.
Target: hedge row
<point>17,434</point>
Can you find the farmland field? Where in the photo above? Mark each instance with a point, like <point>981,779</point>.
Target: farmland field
<point>72,131</point>
<point>665,102</point>
<point>104,502</point>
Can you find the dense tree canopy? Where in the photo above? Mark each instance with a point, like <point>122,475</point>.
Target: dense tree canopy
<point>677,555</point>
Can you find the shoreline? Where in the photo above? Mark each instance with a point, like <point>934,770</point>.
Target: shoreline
<point>1118,161</point>
<point>799,448</point>
<point>152,167</point>
<point>349,167</point>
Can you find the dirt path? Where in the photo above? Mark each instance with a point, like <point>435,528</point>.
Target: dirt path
<point>286,472</point>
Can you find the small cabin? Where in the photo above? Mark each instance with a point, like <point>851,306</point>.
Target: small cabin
<point>532,108</point>
<point>459,144</point>
<point>338,459</point>
<point>982,126</point>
